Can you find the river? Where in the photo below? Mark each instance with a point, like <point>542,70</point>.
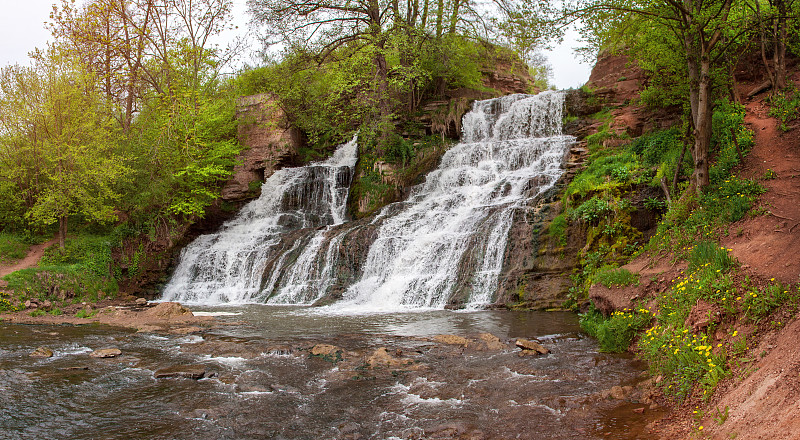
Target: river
<point>262,382</point>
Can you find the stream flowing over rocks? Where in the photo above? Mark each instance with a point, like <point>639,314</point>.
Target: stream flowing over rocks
<point>280,372</point>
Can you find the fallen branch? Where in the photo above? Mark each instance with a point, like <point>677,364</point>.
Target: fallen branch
<point>760,88</point>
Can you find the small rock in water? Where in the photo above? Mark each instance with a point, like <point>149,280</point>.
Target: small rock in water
<point>106,353</point>
<point>328,352</point>
<point>41,352</point>
<point>491,341</point>
<point>185,371</point>
<point>167,310</point>
<point>141,302</point>
<point>534,346</point>
<point>617,392</point>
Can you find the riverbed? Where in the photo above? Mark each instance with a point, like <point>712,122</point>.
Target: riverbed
<point>387,376</point>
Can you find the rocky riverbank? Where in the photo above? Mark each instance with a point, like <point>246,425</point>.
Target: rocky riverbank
<point>166,317</point>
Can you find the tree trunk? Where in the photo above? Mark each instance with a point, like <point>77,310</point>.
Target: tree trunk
<point>439,18</point>
<point>454,17</point>
<point>62,232</point>
<point>779,54</point>
<point>703,125</point>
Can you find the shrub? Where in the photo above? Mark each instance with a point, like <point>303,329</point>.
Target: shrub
<point>592,210</point>
<point>616,332</point>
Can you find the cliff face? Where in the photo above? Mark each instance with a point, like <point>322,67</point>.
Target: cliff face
<point>269,141</point>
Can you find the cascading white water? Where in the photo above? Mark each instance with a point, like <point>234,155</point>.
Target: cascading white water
<point>452,231</point>
<point>228,266</point>
<point>447,240</point>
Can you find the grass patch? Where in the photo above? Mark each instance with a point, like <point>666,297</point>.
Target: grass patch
<point>85,313</point>
<point>13,247</point>
<point>620,277</point>
<point>79,272</point>
<point>758,305</point>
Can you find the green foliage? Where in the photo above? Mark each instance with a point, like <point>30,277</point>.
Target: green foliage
<point>85,313</point>
<point>91,252</point>
<point>619,277</point>
<point>6,304</point>
<point>728,121</point>
<point>12,247</point>
<point>785,106</point>
<point>616,332</point>
<point>80,271</point>
<point>683,359</point>
<point>758,305</point>
<point>557,230</point>
<point>655,204</point>
<point>592,210</point>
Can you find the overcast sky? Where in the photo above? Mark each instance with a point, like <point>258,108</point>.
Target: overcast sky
<point>22,29</point>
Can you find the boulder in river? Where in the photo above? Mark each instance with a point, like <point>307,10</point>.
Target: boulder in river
<point>181,371</point>
<point>41,352</point>
<point>531,347</point>
<point>106,353</point>
<point>167,310</point>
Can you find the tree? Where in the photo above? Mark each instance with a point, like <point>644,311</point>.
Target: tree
<point>59,136</point>
<point>703,30</point>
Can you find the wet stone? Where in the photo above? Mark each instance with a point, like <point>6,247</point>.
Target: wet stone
<point>181,371</point>
<point>104,353</point>
<point>531,346</point>
<point>41,352</point>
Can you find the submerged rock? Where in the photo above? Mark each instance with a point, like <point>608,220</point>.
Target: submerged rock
<point>382,358</point>
<point>106,353</point>
<point>181,371</point>
<point>452,340</point>
<point>41,352</point>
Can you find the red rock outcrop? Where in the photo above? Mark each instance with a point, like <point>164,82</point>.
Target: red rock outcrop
<point>268,138</point>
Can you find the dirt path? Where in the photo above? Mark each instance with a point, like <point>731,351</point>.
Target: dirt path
<point>770,244</point>
<point>32,259</point>
<point>763,397</point>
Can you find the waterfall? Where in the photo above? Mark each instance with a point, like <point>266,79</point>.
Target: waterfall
<point>445,244</point>
<point>229,266</point>
<point>450,236</point>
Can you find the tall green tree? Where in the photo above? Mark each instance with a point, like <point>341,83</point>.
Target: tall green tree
<point>60,139</point>
<point>703,31</point>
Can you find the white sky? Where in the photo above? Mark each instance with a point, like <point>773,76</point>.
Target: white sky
<point>22,29</point>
